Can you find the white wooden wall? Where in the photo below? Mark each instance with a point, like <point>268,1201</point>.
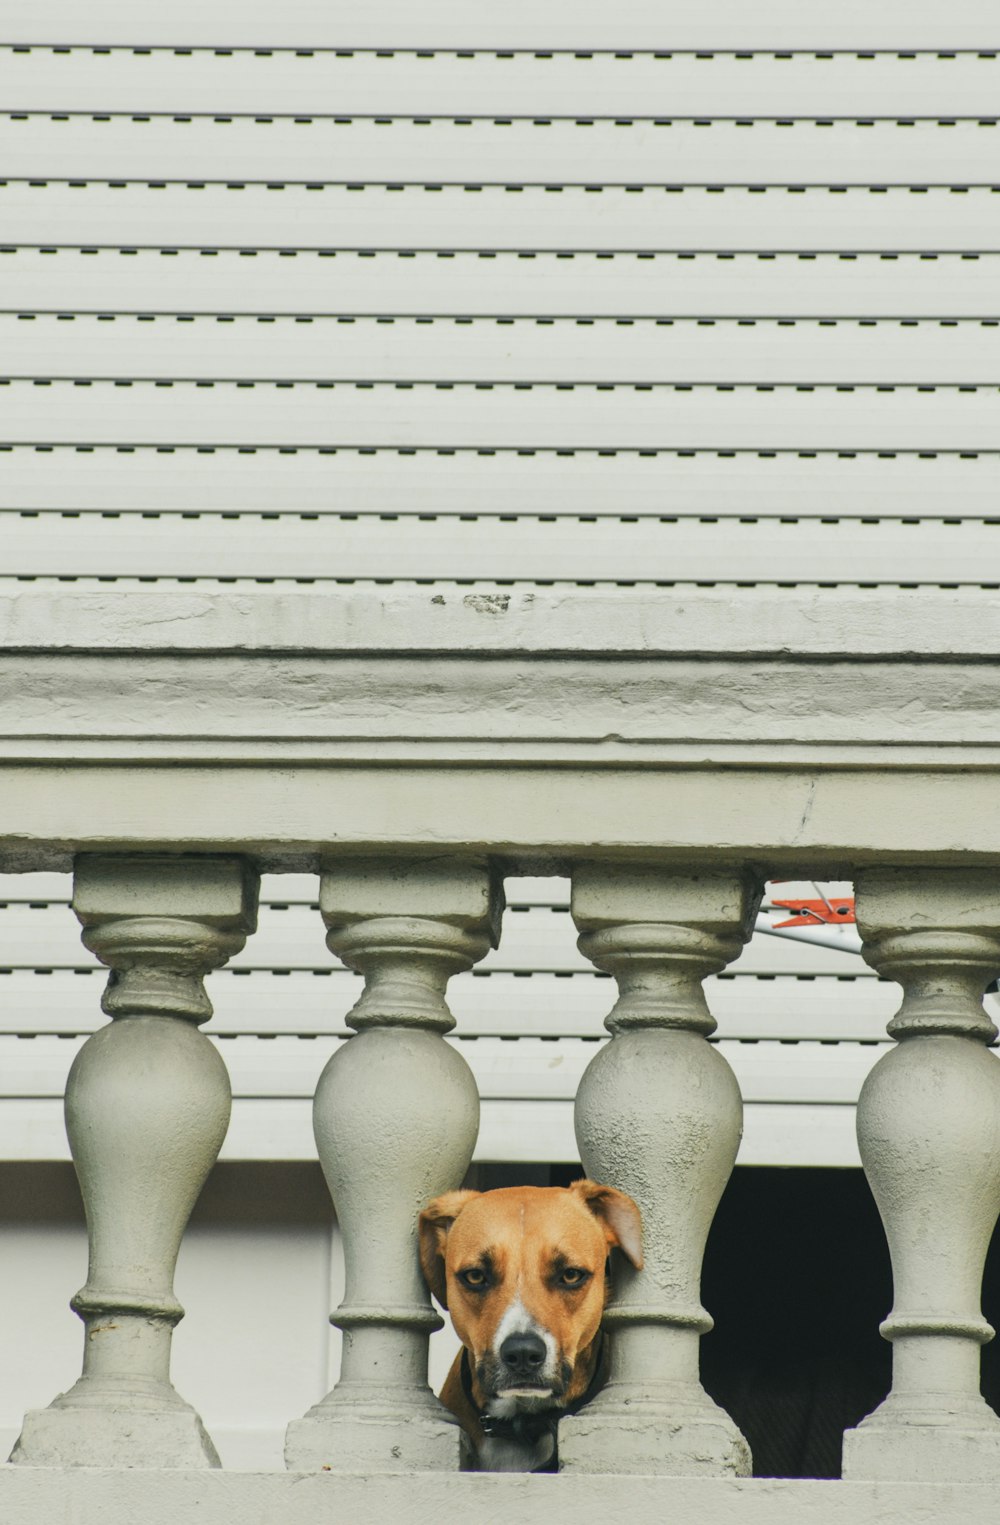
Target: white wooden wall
<point>259,1271</point>
<point>801,1026</point>
<point>460,292</point>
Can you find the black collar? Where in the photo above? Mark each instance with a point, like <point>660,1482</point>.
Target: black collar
<point>530,1427</point>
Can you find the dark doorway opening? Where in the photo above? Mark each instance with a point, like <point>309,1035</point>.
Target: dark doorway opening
<point>797,1278</point>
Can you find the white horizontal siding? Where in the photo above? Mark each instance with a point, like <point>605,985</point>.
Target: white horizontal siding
<point>506,285</point>
<point>633,24</point>
<point>534,939</point>
<point>275,889</point>
<point>282,890</point>
<point>843,594</point>
<point>476,152</point>
<point>347,481</point>
<point>275,1030</point>
<point>821,1008</point>
<point>529,1070</point>
<point>482,84</point>
<point>503,416</point>
<point>855,551</point>
<point>371,349</point>
<point>511,1131</point>
<point>529,219</point>
<point>527,1091</point>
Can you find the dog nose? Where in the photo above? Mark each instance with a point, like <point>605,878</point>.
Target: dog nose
<point>523,1354</point>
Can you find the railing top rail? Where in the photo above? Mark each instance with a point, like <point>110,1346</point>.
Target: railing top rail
<point>803,732</point>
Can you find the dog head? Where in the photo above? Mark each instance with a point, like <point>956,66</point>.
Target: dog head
<point>522,1272</point>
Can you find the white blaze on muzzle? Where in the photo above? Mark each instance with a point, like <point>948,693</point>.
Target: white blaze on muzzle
<point>517,1320</point>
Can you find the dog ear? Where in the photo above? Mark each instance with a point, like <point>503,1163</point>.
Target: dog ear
<point>619,1214</point>
<point>433,1225</point>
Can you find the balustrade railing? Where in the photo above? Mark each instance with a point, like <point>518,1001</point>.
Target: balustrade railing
<point>658,1115</point>
<point>665,751</point>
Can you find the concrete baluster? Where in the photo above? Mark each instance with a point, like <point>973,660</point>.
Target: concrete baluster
<point>659,1115</point>
<point>929,1135</point>
<point>396,1119</point>
<point>147,1108</point>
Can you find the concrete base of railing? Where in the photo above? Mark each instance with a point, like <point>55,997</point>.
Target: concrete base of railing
<point>691,1436</point>
<point>332,1436</point>
<point>44,1496</point>
<point>956,1439</point>
<point>79,1435</point>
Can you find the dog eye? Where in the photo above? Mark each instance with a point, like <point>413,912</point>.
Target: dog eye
<point>572,1276</point>
<point>474,1278</point>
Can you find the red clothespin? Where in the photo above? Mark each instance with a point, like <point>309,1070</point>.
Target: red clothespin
<point>812,913</point>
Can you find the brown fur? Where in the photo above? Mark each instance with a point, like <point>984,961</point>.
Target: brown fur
<point>528,1243</point>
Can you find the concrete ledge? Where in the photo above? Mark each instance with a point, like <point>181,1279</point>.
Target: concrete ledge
<point>792,823</point>
<point>44,1496</point>
<point>741,622</point>
<point>811,731</point>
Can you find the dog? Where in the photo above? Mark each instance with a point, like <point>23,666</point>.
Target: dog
<point>522,1271</point>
